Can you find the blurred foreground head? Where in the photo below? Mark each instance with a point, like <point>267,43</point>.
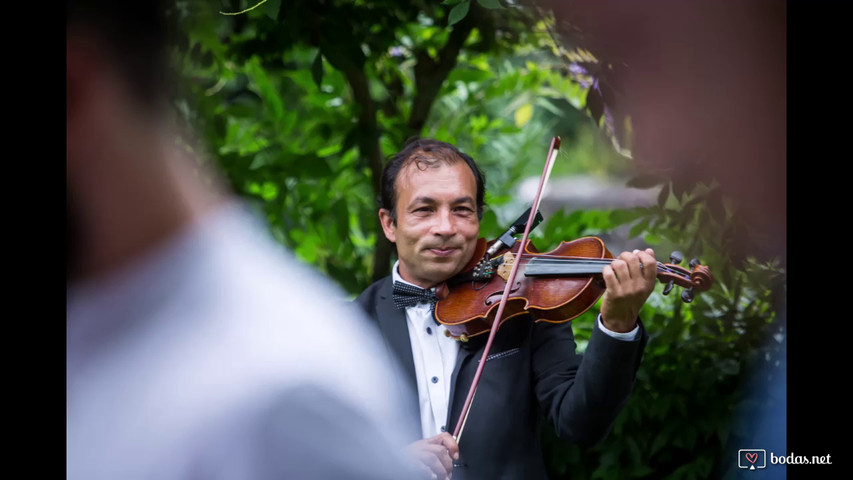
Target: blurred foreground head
<point>196,346</point>
<point>128,183</point>
<point>704,84</point>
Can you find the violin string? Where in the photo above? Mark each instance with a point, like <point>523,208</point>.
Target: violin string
<point>581,262</point>
<point>557,259</point>
<point>546,262</point>
<point>544,258</point>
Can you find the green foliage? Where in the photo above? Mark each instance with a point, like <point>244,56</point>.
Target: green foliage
<point>688,413</point>
<point>458,12</point>
<point>298,103</point>
<point>284,110</point>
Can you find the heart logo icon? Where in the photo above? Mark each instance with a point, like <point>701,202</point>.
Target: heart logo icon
<point>752,457</point>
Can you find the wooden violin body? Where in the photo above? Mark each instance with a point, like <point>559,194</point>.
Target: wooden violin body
<point>468,309</point>
<point>556,286</point>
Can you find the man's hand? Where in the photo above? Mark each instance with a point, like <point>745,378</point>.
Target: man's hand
<point>630,279</point>
<point>436,454</point>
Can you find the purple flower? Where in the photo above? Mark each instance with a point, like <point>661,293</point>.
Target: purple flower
<point>577,69</point>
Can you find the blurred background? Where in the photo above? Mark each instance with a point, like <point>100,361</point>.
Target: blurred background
<point>672,117</point>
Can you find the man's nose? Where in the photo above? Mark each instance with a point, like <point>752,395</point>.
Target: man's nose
<point>444,224</point>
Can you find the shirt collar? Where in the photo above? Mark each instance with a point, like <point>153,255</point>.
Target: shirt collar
<point>395,276</point>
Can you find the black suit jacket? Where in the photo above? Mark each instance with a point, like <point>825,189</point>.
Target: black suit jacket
<point>532,369</point>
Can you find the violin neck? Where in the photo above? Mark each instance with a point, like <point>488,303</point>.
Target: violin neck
<point>542,267</point>
<point>558,269</point>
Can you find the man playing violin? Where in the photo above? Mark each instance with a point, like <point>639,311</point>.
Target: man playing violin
<point>431,203</point>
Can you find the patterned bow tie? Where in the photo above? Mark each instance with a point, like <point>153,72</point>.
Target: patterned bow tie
<point>406,295</point>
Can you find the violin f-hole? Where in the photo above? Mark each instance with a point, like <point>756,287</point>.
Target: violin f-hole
<point>493,299</point>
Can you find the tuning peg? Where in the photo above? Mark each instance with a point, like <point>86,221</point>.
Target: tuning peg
<point>668,287</point>
<point>676,257</point>
<point>687,295</point>
<point>693,263</point>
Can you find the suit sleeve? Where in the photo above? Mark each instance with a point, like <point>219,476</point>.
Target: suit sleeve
<point>581,395</point>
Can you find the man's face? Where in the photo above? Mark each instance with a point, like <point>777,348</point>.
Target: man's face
<point>437,224</point>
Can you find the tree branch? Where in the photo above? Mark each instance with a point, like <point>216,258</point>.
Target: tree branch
<point>368,142</point>
<point>368,145</point>
<point>430,74</point>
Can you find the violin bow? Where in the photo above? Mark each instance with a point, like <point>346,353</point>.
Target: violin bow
<point>546,173</point>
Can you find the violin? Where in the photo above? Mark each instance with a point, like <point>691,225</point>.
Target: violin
<point>555,286</point>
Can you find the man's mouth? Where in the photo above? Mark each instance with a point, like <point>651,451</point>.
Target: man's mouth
<point>443,251</point>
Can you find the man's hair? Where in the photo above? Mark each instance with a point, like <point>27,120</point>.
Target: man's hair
<point>425,153</point>
<point>135,35</point>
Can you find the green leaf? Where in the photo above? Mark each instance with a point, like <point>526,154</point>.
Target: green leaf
<point>317,70</point>
<point>468,74</point>
<point>622,216</point>
<point>268,190</point>
<point>261,160</point>
<point>458,12</point>
<point>312,166</point>
<point>307,249</point>
<point>641,471</point>
<point>659,442</point>
<point>639,228</point>
<point>271,8</point>
<point>634,452</point>
<point>329,150</point>
<point>266,89</point>
<point>548,105</point>
<point>490,3</point>
<point>523,115</point>
<point>489,224</point>
<point>652,238</point>
<point>341,213</point>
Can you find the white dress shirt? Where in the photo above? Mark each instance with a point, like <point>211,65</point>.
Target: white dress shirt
<point>434,354</point>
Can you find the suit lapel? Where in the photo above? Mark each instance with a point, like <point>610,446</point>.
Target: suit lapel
<point>392,323</point>
<point>394,327</point>
<point>465,354</point>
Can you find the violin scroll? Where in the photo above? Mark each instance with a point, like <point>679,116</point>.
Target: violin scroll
<point>696,279</point>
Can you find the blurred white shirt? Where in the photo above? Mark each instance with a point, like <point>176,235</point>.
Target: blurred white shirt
<point>218,355</point>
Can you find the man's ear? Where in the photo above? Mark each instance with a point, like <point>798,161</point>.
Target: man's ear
<point>388,226</point>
